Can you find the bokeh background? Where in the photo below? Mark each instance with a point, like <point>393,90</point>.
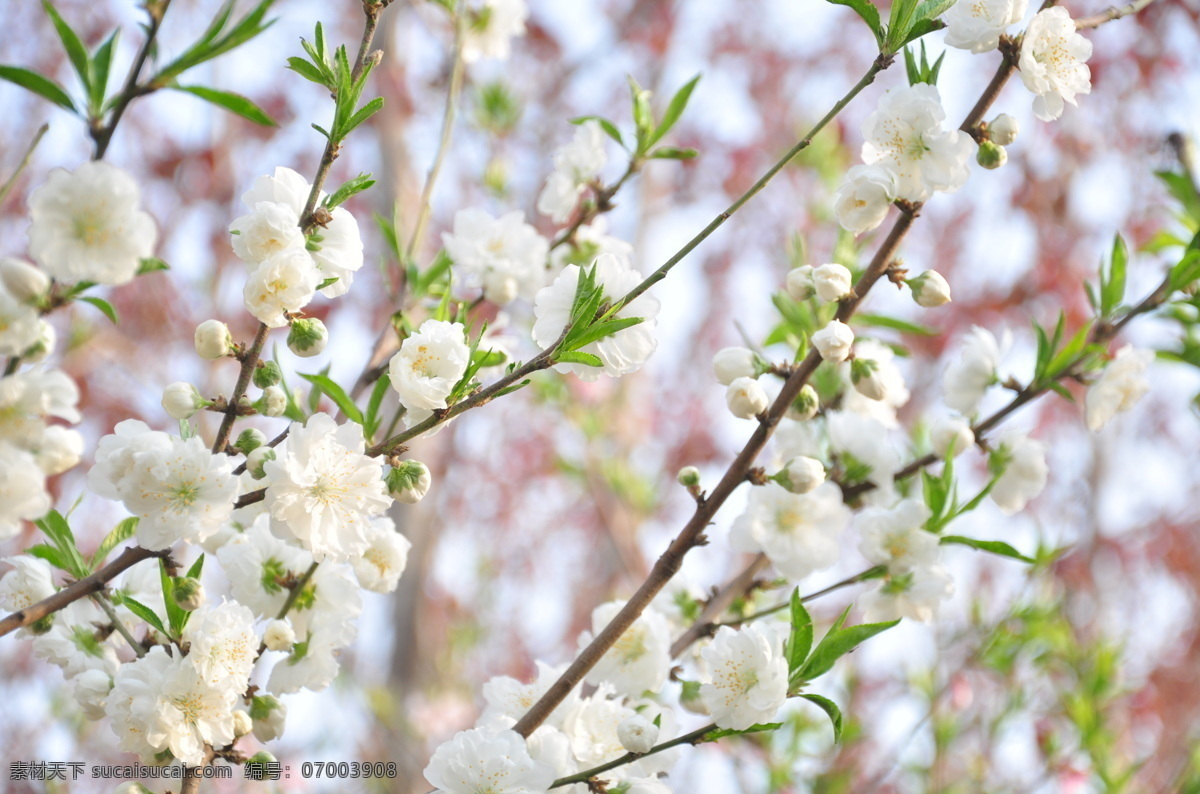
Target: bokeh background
<point>1083,676</point>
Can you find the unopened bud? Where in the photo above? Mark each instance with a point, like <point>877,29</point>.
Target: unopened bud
<point>409,481</point>
<point>256,459</point>
<point>929,289</point>
<point>637,734</point>
<point>249,440</point>
<point>307,337</point>
<point>948,433</point>
<point>272,403</point>
<point>262,756</point>
<point>181,400</point>
<point>832,282</point>
<point>834,341</point>
<point>279,636</point>
<point>42,625</point>
<point>269,716</point>
<point>689,477</point>
<point>23,281</point>
<point>44,346</point>
<point>242,724</point>
<point>864,374</point>
<point>189,593</point>
<point>800,283</point>
<point>731,363</point>
<point>806,404</point>
<point>213,339</point>
<point>991,155</point>
<point>1003,129</point>
<point>746,398</point>
<point>267,373</point>
<point>801,475</point>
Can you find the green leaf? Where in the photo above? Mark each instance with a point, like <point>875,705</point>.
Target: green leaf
<point>800,641</point>
<point>1181,188</point>
<point>103,306</point>
<point>605,124</point>
<point>883,321</point>
<point>992,546</point>
<point>1061,361</point>
<point>577,357</point>
<point>76,52</point>
<point>176,615</point>
<point>212,43</point>
<point>144,612</point>
<point>674,110</point>
<point>363,113</point>
<point>234,103</point>
<point>642,118</point>
<point>838,642</point>
<point>326,282</point>
<point>44,551</point>
<point>1186,271</point>
<point>721,733</point>
<point>196,569</point>
<point>349,188</point>
<point>337,394</point>
<point>921,28</point>
<point>151,265</point>
<point>42,86</point>
<point>869,14</point>
<point>1112,285</point>
<point>371,419</point>
<point>310,72</point>
<point>599,331</point>
<point>932,9</point>
<point>831,709</point>
<point>101,65</point>
<point>55,527</point>
<point>118,535</point>
<point>673,153</point>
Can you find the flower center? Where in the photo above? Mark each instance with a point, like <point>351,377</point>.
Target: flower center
<point>89,229</point>
<point>631,646</point>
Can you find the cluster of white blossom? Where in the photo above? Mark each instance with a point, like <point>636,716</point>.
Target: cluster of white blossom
<point>505,256</point>
<point>491,27</point>
<point>576,165</point>
<point>286,266</point>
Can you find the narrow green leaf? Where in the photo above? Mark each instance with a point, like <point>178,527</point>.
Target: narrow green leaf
<point>609,128</point>
<point>50,554</point>
<point>800,641</point>
<point>673,153</point>
<point>831,709</point>
<point>145,613</point>
<point>1114,285</point>
<point>151,265</point>
<point>103,306</point>
<point>932,9</point>
<point>42,86</point>
<point>338,395</point>
<point>601,330</point>
<point>922,28</point>
<point>993,546</point>
<point>118,535</point>
<point>837,643</point>
<point>910,67</point>
<point>197,568</point>
<point>308,71</point>
<point>101,65</point>
<point>883,321</point>
<point>674,110</point>
<point>721,733</point>
<point>234,103</point>
<point>363,113</point>
<point>578,357</point>
<point>176,615</point>
<point>868,12</point>
<point>76,52</point>
<point>378,392</point>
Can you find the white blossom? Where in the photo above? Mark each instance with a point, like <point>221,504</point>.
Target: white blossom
<point>885,378</point>
<point>950,432</point>
<point>799,283</point>
<point>20,324</point>
<point>832,282</point>
<point>378,569</point>
<point>29,581</point>
<point>322,490</point>
<point>589,243</point>
<point>559,196</point>
<point>834,341</point>
<point>905,135</point>
<point>640,658</point>
<point>746,398</point>
<point>491,29</point>
<point>1025,472</point>
<point>429,364</point>
<point>1120,386</point>
<point>72,642</point>
<point>270,228</point>
<point>1053,62</point>
<point>90,690</point>
<point>977,25</point>
<point>897,537</point>
<point>485,762</point>
<point>505,255</point>
<point>747,677</point>
<point>798,532</point>
<point>279,636</point>
<point>620,353</point>
<point>223,644</point>
<point>509,699</point>
<point>59,449</point>
<point>968,377</point>
<point>864,198</point>
<point>23,494</point>
<point>23,281</point>
<point>269,716</point>
<point>1003,129</point>
<point>312,664</point>
<point>87,225</point>
<point>731,363</point>
<point>863,440</point>
<point>915,595</point>
<point>575,164</point>
<point>285,283</point>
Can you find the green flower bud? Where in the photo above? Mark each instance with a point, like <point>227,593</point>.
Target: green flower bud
<point>991,155</point>
<point>267,373</point>
<point>409,482</point>
<point>249,440</point>
<point>189,593</point>
<point>689,477</point>
<point>307,337</point>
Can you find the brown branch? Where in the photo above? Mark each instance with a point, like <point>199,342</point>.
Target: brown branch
<point>695,737</point>
<point>77,590</point>
<point>102,135</point>
<point>249,361</point>
<point>1110,14</point>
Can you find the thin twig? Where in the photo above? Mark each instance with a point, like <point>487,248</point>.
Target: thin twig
<point>77,590</point>
<point>452,93</point>
<point>102,135</point>
<point>102,601</point>
<point>861,576</point>
<point>12,180</point>
<point>249,362</point>
<point>1111,14</point>
<point>582,777</point>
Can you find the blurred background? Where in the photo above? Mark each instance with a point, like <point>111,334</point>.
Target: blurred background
<point>1082,676</point>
